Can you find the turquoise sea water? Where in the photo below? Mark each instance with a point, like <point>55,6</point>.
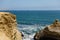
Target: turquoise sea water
<point>36,17</point>
<point>29,22</point>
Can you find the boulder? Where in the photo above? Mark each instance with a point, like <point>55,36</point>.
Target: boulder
<point>51,32</point>
<point>8,27</point>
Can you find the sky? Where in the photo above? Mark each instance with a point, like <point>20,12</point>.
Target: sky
<point>29,4</point>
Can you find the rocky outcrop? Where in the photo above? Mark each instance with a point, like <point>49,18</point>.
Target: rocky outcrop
<point>8,27</point>
<point>51,32</point>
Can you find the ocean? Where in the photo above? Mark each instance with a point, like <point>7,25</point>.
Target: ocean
<point>31,21</point>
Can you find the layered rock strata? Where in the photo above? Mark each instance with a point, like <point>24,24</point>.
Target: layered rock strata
<point>8,27</point>
<point>51,32</point>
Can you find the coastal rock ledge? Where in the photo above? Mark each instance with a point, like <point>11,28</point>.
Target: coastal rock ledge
<point>8,27</point>
<point>51,32</point>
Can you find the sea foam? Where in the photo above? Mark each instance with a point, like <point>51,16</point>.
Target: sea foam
<point>29,30</point>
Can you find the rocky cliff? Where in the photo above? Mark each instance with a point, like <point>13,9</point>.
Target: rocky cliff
<point>8,27</point>
<point>51,32</point>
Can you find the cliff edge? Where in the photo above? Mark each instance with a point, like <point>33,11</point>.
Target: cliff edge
<point>8,27</point>
<point>51,32</point>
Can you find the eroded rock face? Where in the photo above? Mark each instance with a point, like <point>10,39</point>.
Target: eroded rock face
<point>52,32</point>
<point>8,27</point>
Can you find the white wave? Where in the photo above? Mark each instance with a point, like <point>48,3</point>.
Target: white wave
<point>29,30</point>
<point>28,37</point>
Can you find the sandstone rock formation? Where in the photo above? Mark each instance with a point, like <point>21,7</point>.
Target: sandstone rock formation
<point>8,27</point>
<point>52,32</point>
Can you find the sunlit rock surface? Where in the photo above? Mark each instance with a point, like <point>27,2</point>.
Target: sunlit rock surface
<point>51,32</point>
<point>8,27</point>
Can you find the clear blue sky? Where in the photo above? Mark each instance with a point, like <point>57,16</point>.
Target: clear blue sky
<point>29,4</point>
